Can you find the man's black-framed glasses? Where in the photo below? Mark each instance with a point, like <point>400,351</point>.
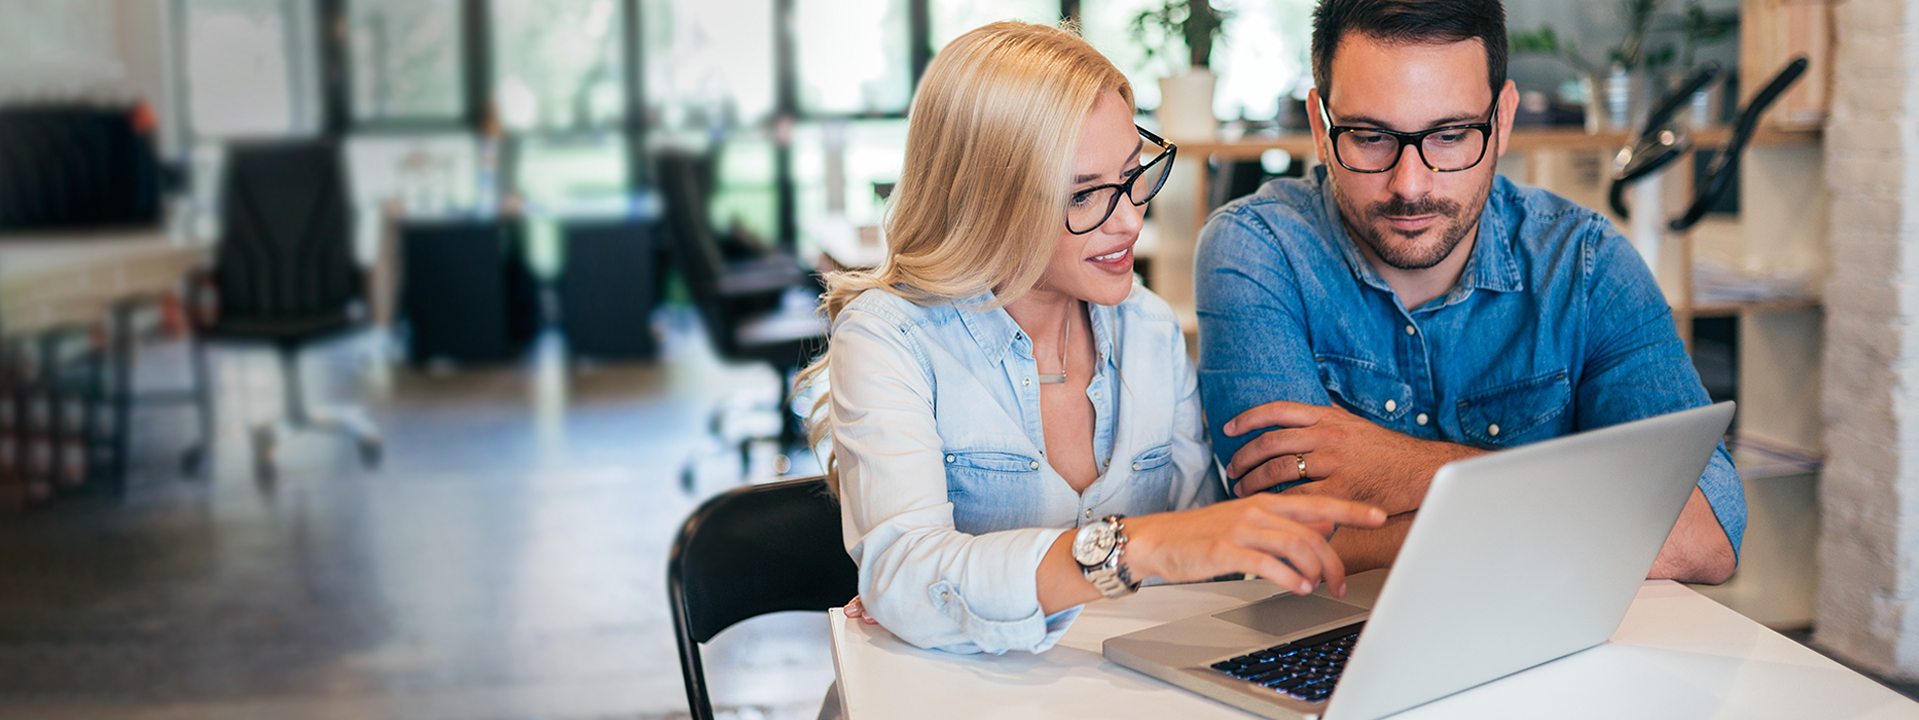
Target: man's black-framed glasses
<point>1088,209</point>
<point>1443,149</point>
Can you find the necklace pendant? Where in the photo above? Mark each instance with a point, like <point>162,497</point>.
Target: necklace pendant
<point>1059,379</point>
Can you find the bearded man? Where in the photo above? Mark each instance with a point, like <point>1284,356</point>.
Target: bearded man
<point>1404,306</point>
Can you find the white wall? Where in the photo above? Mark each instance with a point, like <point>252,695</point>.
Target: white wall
<point>1867,609</point>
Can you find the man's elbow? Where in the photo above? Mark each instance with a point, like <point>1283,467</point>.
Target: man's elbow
<point>1710,562</point>
<point>1716,567</point>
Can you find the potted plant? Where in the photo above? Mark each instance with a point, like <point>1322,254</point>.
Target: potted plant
<point>1186,100</point>
<point>1619,91</point>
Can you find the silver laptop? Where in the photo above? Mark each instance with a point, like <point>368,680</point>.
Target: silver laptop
<point>1516,558</point>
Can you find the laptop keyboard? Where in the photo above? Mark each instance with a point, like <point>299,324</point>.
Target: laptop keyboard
<point>1306,668</point>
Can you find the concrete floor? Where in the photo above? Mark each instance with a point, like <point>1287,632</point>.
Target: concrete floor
<point>507,561</point>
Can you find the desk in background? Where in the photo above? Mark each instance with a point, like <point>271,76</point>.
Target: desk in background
<point>465,291</point>
<point>1677,655</point>
<point>46,281</point>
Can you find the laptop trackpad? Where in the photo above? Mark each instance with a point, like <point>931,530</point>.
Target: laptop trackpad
<point>1282,614</point>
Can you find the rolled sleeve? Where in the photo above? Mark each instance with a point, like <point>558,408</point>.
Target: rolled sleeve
<point>1638,368</point>
<point>1253,344</point>
<point>921,578</point>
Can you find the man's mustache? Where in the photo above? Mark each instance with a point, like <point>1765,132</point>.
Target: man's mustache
<point>1423,206</point>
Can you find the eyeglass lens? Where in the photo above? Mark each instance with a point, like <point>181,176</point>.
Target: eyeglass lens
<point>1088,209</point>
<point>1445,150</point>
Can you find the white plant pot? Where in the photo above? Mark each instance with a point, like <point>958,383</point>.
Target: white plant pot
<point>1186,105</point>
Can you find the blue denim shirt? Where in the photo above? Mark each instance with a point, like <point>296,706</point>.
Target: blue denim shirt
<point>1555,326</point>
<point>947,500</point>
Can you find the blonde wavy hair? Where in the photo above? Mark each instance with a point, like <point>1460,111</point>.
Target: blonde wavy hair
<point>990,145</point>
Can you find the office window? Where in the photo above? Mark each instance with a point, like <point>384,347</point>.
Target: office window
<point>1265,55</point>
<point>710,86</point>
<point>1106,25</point>
<point>859,154</point>
<point>557,64</point>
<point>405,59</point>
<point>852,56</point>
<point>709,63</point>
<point>250,68</point>
<point>952,18</point>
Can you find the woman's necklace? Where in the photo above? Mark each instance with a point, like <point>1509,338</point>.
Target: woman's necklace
<point>1065,337</point>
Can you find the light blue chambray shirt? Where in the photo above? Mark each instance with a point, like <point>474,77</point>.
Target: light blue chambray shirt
<point>947,501</point>
<point>1555,326</point>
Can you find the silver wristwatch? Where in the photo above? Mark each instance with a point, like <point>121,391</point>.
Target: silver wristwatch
<point>1098,549</point>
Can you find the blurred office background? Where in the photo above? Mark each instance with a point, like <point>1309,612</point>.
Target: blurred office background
<point>556,262</point>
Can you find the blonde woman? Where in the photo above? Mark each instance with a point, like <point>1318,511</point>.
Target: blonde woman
<point>1016,426</point>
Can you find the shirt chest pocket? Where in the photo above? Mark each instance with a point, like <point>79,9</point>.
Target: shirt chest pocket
<point>1517,413</point>
<point>1365,388</point>
<point>1149,485</point>
<point>992,490</point>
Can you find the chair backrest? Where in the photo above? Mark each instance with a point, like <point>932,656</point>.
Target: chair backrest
<point>287,230</point>
<point>686,184</point>
<point>748,552</point>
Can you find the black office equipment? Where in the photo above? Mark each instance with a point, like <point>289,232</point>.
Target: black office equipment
<point>751,551</point>
<point>608,289</point>
<point>66,167</point>
<point>466,294</point>
<point>283,275</point>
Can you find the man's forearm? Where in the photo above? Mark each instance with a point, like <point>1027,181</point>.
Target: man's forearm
<point>1362,549</point>
<point>1698,550</point>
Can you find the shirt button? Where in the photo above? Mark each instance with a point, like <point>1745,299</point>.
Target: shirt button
<point>1391,406</point>
<point>1421,419</point>
<point>1492,430</point>
<point>1410,330</point>
<point>1035,464</point>
<point>1135,467</point>
<point>950,458</point>
<point>1028,382</point>
<point>1089,514</point>
<point>1095,394</point>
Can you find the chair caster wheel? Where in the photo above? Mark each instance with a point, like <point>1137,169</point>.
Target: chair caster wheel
<point>193,461</point>
<point>370,454</point>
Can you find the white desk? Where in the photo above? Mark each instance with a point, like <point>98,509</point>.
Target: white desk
<point>1677,655</point>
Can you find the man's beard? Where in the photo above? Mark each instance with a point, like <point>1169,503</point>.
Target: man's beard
<point>1406,255</point>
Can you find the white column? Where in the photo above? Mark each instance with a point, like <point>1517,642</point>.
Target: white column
<point>1867,609</point>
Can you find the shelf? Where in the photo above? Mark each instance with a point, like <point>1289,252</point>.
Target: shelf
<point>1735,308</point>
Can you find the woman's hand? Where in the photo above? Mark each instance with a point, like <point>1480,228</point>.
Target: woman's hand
<point>1278,537</point>
<point>855,610</point>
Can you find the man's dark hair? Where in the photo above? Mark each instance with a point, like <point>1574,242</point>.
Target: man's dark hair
<point>1410,21</point>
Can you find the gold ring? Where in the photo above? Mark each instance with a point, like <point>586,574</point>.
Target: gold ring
<point>1302,465</point>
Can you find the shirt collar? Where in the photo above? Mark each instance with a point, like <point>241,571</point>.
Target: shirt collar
<point>1492,266</point>
<point>993,330</point>
<point>996,333</point>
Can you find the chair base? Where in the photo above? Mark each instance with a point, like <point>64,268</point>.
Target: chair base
<point>268,436</point>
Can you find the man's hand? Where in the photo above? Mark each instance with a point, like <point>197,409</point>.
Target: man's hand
<point>1349,457</point>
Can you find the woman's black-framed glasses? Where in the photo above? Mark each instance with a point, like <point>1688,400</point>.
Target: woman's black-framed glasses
<point>1088,209</point>
<point>1443,149</point>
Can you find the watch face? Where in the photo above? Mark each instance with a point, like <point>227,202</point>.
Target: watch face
<point>1094,544</point>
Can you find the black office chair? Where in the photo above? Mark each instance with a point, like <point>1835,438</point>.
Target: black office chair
<point>750,551</point>
<point>283,275</point>
<point>742,301</point>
